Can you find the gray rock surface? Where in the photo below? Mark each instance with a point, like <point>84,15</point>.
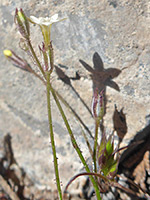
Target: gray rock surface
<point>119,32</point>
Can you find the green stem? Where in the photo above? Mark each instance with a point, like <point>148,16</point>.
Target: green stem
<point>52,137</point>
<point>36,59</point>
<point>74,143</point>
<point>69,107</point>
<point>49,88</point>
<point>51,57</point>
<point>95,145</point>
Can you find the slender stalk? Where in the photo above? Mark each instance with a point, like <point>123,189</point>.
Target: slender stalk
<point>130,181</point>
<point>49,88</point>
<point>75,145</point>
<point>108,181</point>
<point>95,144</point>
<point>36,59</point>
<point>68,106</point>
<point>85,174</point>
<point>51,57</point>
<point>52,137</point>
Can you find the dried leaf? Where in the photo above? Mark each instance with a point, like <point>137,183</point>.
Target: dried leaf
<point>119,121</point>
<point>6,187</point>
<point>127,190</point>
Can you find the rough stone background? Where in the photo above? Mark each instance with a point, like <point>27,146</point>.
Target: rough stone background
<point>119,32</point>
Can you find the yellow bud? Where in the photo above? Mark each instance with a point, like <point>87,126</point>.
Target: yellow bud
<point>7,53</point>
<point>21,16</point>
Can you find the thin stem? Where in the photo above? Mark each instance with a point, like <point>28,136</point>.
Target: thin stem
<point>52,137</point>
<point>95,145</point>
<point>130,181</point>
<point>51,56</point>
<point>49,88</point>
<point>74,143</point>
<point>85,174</point>
<point>74,113</point>
<point>36,59</point>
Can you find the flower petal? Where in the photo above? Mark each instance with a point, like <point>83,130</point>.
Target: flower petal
<point>54,18</point>
<point>35,20</point>
<point>45,21</point>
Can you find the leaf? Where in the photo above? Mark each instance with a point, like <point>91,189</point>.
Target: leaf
<point>117,185</point>
<point>114,166</point>
<point>109,147</point>
<point>102,145</point>
<point>119,121</point>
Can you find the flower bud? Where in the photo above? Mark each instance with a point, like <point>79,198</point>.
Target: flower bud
<point>7,53</point>
<point>45,25</point>
<point>22,23</point>
<point>17,61</point>
<point>106,157</point>
<point>45,58</point>
<point>98,104</point>
<point>120,124</point>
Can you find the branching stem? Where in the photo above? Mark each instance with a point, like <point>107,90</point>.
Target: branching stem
<point>75,145</point>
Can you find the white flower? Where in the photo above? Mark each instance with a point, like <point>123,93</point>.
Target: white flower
<point>47,21</point>
<point>45,25</point>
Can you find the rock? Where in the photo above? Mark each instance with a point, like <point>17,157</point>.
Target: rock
<point>119,32</point>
